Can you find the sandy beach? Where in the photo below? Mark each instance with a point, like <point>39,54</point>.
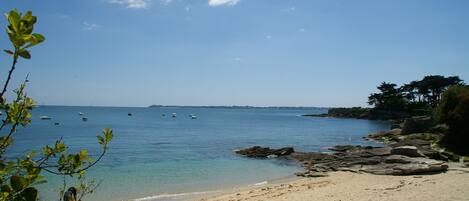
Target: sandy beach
<point>347,186</point>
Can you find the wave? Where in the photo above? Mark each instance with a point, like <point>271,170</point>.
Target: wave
<point>167,195</point>
<point>261,183</point>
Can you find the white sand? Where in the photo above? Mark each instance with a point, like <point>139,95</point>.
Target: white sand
<point>346,186</point>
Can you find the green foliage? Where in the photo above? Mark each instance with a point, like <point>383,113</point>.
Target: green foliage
<point>354,112</point>
<point>415,98</point>
<point>389,98</point>
<point>20,33</point>
<point>19,175</point>
<point>453,110</point>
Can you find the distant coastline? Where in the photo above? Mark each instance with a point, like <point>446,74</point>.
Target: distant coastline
<point>239,107</point>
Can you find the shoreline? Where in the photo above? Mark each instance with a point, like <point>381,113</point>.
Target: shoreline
<point>341,185</point>
<point>196,195</point>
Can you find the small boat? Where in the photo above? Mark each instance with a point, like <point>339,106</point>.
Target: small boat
<point>174,114</point>
<point>45,117</point>
<point>84,118</point>
<point>56,123</point>
<point>129,114</point>
<point>81,113</point>
<point>194,117</point>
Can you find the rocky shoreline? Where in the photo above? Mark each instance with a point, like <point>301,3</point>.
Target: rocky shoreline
<point>409,149</point>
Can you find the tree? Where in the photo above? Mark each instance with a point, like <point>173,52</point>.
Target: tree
<point>432,86</point>
<point>19,175</point>
<point>453,110</point>
<point>389,98</point>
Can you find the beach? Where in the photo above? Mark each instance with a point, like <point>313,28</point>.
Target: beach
<point>348,186</point>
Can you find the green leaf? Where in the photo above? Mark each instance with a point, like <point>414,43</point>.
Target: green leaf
<point>108,134</point>
<point>9,52</point>
<point>5,188</point>
<point>17,183</point>
<point>14,17</point>
<point>100,139</point>
<point>24,53</point>
<point>29,194</point>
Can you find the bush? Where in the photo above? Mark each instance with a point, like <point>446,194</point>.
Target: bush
<point>453,110</point>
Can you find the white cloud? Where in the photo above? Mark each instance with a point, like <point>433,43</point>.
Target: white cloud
<point>136,4</point>
<point>89,26</point>
<point>222,2</point>
<point>290,9</point>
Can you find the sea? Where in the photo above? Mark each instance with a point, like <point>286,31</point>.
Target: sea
<point>155,156</point>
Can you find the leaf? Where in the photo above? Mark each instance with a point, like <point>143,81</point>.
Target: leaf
<point>108,134</point>
<point>100,139</point>
<point>29,194</point>
<point>5,188</point>
<point>9,52</point>
<point>14,17</point>
<point>17,183</point>
<point>24,53</point>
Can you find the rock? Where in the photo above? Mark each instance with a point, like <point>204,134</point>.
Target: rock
<point>284,151</point>
<point>440,128</point>
<point>311,174</point>
<point>272,156</point>
<point>450,156</point>
<point>418,124</point>
<point>314,156</point>
<point>390,135</point>
<point>410,151</point>
<point>264,152</point>
<point>419,166</point>
<point>398,159</point>
<point>344,148</point>
<point>410,142</point>
<point>379,151</point>
<point>407,166</point>
<point>358,150</point>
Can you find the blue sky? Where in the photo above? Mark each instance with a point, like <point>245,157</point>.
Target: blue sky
<point>244,52</point>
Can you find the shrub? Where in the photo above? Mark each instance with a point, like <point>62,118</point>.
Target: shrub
<point>453,110</point>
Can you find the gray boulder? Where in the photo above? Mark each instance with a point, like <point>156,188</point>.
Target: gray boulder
<point>398,159</point>
<point>418,124</point>
<point>410,151</point>
<point>264,152</point>
<point>402,165</point>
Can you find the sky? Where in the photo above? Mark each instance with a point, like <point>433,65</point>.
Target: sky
<point>324,53</point>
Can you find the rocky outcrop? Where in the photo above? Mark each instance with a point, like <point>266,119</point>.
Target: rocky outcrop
<point>264,152</point>
<point>418,124</point>
<point>387,136</point>
<point>410,151</point>
<point>400,160</point>
<point>402,165</point>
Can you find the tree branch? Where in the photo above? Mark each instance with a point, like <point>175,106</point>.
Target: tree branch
<point>13,66</point>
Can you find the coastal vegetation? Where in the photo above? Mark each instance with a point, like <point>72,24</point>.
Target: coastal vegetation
<point>21,174</point>
<point>453,110</point>
<point>419,97</point>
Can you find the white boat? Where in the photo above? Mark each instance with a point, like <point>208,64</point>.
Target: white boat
<point>193,117</point>
<point>174,114</point>
<point>81,113</point>
<point>45,117</point>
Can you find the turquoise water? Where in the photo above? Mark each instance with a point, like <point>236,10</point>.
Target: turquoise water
<point>153,155</point>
